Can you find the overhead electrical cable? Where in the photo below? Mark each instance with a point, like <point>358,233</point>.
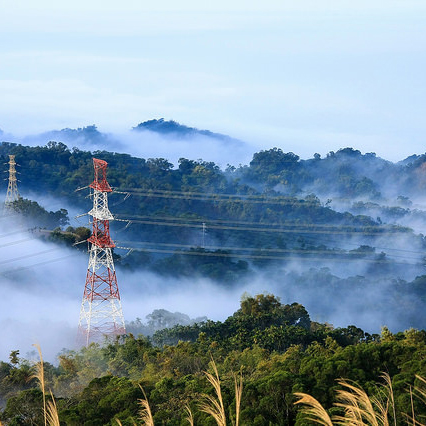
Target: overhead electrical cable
<point>259,229</point>
<point>14,233</point>
<point>326,253</point>
<point>29,255</point>
<point>200,196</point>
<point>264,224</point>
<point>222,199</point>
<point>17,242</point>
<point>217,196</point>
<point>321,239</point>
<point>260,257</point>
<point>23,268</point>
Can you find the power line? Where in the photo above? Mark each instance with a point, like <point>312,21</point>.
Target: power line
<point>200,196</point>
<point>267,250</point>
<point>29,255</point>
<point>259,257</point>
<point>143,191</point>
<point>253,198</point>
<point>23,268</point>
<point>5,216</point>
<point>17,242</point>
<point>319,239</point>
<point>13,233</point>
<point>271,230</point>
<point>263,224</point>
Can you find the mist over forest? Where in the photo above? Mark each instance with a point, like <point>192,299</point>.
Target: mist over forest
<point>340,234</point>
<point>293,271</point>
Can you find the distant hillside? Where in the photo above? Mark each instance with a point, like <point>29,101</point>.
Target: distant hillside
<point>175,129</point>
<point>88,132</point>
<point>88,136</point>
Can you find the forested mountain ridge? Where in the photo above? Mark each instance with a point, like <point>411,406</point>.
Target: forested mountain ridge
<point>259,221</point>
<point>344,173</point>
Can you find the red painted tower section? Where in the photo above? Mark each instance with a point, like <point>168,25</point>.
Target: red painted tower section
<point>101,313</point>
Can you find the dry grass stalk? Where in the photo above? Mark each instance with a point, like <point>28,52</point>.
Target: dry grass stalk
<point>190,417</point>
<point>238,394</point>
<point>52,412</point>
<point>145,413</point>
<point>120,424</point>
<point>420,391</point>
<point>382,415</point>
<point>211,405</point>
<point>39,375</point>
<point>359,408</point>
<point>410,420</point>
<point>313,410</point>
<point>412,406</point>
<point>390,395</point>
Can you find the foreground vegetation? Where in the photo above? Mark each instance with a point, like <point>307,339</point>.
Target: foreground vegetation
<point>276,348</point>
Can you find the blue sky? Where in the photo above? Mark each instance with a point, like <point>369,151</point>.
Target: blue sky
<point>307,76</point>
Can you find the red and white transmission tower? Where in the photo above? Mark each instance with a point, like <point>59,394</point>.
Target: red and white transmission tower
<point>101,314</point>
<point>12,193</point>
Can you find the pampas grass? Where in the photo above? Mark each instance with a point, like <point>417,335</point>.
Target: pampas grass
<point>389,389</point>
<point>238,382</point>
<point>39,376</point>
<point>313,410</point>
<point>50,411</point>
<point>419,392</point>
<point>145,413</point>
<point>358,408</point>
<point>214,405</point>
<point>120,424</point>
<point>190,417</point>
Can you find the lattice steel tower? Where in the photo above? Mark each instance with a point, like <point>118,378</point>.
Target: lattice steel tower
<point>12,188</point>
<point>101,314</point>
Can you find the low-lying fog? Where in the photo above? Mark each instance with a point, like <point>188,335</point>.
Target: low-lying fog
<point>42,286</point>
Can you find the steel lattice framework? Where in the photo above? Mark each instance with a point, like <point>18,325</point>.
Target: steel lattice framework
<point>12,193</point>
<point>101,314</point>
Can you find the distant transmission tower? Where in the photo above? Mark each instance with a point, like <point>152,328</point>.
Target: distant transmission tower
<point>204,235</point>
<point>12,188</point>
<point>101,314</point>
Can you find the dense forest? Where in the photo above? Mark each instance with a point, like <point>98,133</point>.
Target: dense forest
<point>341,234</point>
<point>276,349</point>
